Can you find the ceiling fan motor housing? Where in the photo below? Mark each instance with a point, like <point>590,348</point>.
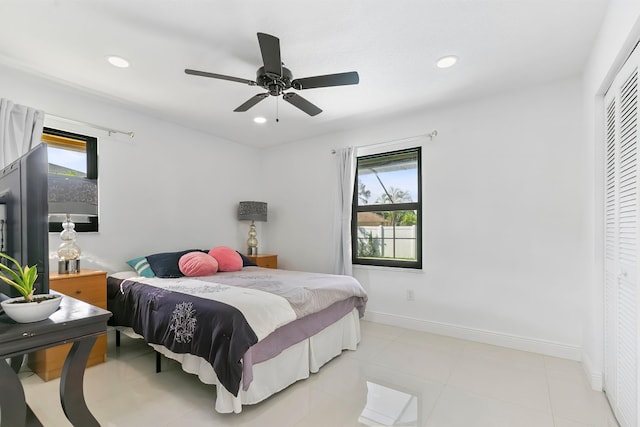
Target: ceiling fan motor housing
<point>274,84</point>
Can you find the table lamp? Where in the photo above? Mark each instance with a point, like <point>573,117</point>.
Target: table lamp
<point>253,211</point>
<point>71,196</point>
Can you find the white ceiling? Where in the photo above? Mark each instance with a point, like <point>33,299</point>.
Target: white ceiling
<point>502,44</point>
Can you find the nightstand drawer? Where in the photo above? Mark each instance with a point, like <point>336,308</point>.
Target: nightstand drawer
<point>91,289</point>
<point>265,260</point>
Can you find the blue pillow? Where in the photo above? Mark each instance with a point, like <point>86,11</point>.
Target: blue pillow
<point>165,264</point>
<point>141,265</point>
<point>246,262</point>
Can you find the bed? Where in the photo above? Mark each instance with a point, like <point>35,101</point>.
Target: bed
<point>251,333</point>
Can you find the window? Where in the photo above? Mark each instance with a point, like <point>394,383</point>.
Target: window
<point>386,229</point>
<point>73,177</point>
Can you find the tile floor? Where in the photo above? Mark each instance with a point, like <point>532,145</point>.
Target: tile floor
<point>453,383</point>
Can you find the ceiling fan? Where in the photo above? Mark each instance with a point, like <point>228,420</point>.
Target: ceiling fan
<point>276,79</point>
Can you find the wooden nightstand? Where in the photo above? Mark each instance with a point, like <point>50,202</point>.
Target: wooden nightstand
<point>265,260</point>
<point>89,286</point>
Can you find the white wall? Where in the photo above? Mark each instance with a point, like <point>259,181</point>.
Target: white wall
<point>169,188</point>
<point>512,196</point>
<point>619,33</point>
<point>504,217</point>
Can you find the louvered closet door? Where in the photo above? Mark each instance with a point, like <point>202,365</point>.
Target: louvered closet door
<point>622,299</point>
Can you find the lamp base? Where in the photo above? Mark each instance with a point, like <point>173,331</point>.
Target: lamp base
<point>70,266</point>
<point>252,250</point>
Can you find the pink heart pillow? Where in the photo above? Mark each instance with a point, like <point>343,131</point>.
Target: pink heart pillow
<point>195,264</point>
<point>228,259</point>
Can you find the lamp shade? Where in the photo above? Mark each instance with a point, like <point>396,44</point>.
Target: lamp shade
<point>253,211</point>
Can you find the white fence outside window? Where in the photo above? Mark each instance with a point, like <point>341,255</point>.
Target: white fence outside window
<point>405,239</point>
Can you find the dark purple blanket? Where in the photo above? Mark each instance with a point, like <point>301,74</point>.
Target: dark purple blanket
<point>184,323</point>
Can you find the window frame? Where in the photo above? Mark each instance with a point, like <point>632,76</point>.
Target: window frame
<point>91,149</point>
<point>417,206</point>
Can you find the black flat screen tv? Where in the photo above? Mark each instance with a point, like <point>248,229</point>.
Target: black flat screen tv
<point>24,225</point>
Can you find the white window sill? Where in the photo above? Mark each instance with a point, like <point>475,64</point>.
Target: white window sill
<point>390,269</point>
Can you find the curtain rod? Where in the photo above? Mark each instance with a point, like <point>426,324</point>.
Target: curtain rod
<point>430,135</point>
<point>106,129</point>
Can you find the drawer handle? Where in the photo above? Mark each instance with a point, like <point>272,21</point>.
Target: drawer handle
<point>78,292</point>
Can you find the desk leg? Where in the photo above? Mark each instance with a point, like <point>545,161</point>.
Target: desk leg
<point>71,384</point>
<point>16,363</point>
<point>12,403</point>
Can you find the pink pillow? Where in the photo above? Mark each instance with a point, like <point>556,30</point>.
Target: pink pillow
<point>195,264</point>
<point>228,259</point>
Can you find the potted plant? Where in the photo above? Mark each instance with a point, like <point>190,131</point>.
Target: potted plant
<point>28,307</point>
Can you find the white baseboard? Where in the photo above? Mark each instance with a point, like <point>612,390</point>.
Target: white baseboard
<point>549,348</point>
<point>595,377</point>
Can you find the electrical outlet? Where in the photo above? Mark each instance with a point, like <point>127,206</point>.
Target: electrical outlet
<point>410,295</point>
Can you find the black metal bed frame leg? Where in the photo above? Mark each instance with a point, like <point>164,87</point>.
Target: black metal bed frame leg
<point>158,355</point>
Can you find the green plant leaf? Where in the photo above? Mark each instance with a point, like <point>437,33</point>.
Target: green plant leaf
<point>30,274</point>
<point>13,274</point>
<point>20,289</point>
<point>23,278</point>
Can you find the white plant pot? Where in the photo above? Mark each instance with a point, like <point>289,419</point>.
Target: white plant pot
<point>31,311</point>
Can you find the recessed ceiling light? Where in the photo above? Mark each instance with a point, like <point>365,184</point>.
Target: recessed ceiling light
<point>447,61</point>
<point>117,61</point>
<point>260,120</point>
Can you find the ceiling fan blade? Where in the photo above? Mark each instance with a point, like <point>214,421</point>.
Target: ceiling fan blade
<point>219,76</point>
<point>298,101</point>
<point>340,79</point>
<point>251,102</point>
<point>270,49</point>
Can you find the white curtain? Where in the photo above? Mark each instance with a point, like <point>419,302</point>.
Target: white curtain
<point>345,162</point>
<point>20,130</point>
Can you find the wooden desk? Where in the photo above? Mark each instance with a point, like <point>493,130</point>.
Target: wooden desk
<point>76,322</point>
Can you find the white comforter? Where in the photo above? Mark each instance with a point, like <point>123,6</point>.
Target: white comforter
<point>306,292</point>
<point>268,298</point>
<point>265,312</point>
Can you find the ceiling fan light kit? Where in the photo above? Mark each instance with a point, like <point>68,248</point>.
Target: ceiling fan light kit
<point>118,61</point>
<point>276,79</point>
<point>447,61</point>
